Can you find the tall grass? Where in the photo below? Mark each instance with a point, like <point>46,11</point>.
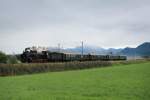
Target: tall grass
<point>25,68</point>
<point>30,68</point>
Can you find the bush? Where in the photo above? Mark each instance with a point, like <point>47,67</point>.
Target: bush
<point>3,57</point>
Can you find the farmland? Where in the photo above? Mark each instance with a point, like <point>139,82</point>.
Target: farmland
<point>120,82</point>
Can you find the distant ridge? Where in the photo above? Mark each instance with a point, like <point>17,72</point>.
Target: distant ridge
<point>141,50</point>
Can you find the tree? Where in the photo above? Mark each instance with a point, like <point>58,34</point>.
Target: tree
<point>12,59</point>
<point>3,57</point>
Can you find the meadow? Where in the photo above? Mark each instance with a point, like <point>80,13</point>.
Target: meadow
<point>119,82</point>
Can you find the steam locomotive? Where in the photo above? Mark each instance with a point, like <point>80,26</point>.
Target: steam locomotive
<point>33,56</point>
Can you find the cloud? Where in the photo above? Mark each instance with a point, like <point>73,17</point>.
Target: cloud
<point>105,23</point>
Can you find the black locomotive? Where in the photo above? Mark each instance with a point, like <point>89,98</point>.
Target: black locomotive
<point>33,56</point>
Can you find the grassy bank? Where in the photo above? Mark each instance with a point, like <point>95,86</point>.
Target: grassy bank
<point>20,69</point>
<point>120,82</point>
<point>30,68</point>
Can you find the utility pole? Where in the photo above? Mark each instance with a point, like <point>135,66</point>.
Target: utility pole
<point>59,47</point>
<point>82,48</point>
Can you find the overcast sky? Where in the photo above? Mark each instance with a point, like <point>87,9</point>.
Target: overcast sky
<point>103,23</point>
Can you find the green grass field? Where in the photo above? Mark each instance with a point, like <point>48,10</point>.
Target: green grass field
<point>120,82</point>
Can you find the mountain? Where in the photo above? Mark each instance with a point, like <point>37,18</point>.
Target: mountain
<point>141,50</point>
<point>87,50</point>
<point>114,51</point>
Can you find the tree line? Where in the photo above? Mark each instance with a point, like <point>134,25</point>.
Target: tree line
<point>8,59</point>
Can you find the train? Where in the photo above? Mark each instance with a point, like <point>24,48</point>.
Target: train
<point>33,56</point>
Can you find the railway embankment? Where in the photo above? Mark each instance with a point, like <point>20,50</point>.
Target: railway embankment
<point>31,68</point>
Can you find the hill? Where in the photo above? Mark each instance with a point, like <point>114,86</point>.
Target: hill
<point>123,82</point>
<point>141,50</point>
